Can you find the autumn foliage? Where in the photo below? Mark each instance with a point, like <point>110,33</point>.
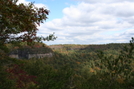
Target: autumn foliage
<point>18,22</point>
<point>21,77</point>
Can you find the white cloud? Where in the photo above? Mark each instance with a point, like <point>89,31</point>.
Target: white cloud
<point>93,22</point>
<point>104,1</point>
<point>36,4</point>
<point>23,1</point>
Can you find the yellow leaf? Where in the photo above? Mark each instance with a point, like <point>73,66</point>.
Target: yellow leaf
<point>91,70</point>
<point>120,80</point>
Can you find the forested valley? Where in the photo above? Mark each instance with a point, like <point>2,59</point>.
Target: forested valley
<point>26,62</point>
<point>109,66</point>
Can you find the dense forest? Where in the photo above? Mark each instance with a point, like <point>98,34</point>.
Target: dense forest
<point>105,66</point>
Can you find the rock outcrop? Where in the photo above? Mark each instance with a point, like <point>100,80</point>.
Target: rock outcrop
<point>31,52</point>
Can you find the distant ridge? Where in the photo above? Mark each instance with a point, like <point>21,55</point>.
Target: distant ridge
<point>92,47</point>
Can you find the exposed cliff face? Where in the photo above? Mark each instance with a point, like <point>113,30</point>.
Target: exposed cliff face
<point>31,52</point>
<point>29,56</point>
<point>40,55</point>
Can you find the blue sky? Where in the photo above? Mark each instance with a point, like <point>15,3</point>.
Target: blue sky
<point>87,21</point>
<point>55,6</point>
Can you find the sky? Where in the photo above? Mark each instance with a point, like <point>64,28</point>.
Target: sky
<point>87,21</point>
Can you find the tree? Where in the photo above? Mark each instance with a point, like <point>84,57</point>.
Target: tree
<point>18,22</point>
